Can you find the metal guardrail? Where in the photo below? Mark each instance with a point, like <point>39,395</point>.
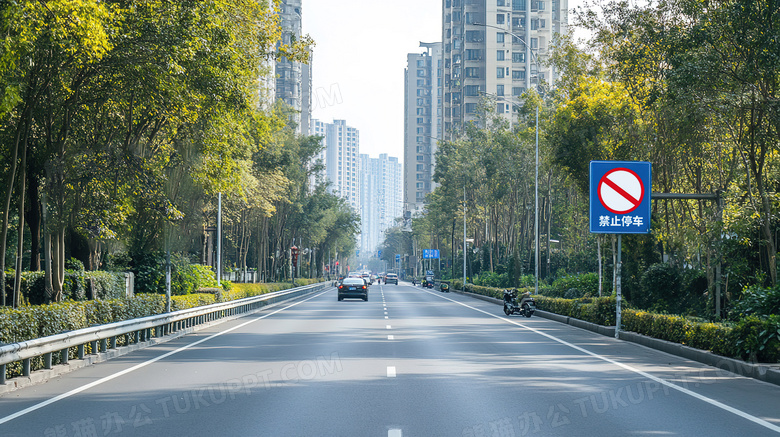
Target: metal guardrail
<point>103,337</point>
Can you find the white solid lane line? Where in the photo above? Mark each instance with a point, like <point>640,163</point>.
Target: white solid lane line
<point>144,364</point>
<point>686,391</point>
<point>391,371</point>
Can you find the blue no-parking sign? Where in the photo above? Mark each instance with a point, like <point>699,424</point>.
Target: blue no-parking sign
<point>620,197</point>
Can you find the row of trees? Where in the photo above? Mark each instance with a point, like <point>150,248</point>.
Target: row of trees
<point>121,121</point>
<point>689,85</point>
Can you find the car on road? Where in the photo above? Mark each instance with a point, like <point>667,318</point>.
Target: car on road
<point>353,287</point>
<point>391,278</point>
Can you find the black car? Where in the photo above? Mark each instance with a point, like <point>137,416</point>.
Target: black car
<point>353,287</point>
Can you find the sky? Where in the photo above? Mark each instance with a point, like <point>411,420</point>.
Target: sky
<point>359,60</point>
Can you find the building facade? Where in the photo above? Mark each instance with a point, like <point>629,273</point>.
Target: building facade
<point>423,122</point>
<point>380,199</point>
<point>293,79</point>
<point>491,49</point>
<point>341,158</point>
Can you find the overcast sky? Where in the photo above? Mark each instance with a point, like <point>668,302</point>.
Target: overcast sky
<point>359,61</point>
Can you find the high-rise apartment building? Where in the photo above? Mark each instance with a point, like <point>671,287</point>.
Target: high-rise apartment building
<point>491,48</point>
<point>380,199</point>
<point>422,122</point>
<point>293,79</point>
<point>341,158</point>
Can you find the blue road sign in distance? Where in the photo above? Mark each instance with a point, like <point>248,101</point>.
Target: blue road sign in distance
<point>620,197</point>
<point>398,257</point>
<point>430,253</point>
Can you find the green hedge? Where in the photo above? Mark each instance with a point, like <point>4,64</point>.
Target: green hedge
<point>76,285</point>
<point>756,339</point>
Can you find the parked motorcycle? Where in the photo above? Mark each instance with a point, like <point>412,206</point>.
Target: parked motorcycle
<point>526,306</point>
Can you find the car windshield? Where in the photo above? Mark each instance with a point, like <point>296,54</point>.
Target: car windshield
<point>353,281</point>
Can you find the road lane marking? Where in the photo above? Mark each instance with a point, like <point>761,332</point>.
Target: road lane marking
<point>85,387</point>
<point>673,386</point>
<point>391,371</point>
<point>394,433</point>
<point>389,327</point>
<point>391,337</point>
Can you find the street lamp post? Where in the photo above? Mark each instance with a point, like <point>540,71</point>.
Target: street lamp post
<point>536,177</point>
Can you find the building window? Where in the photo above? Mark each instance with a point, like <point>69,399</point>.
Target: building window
<point>420,73</point>
<point>420,157</point>
<point>420,120</point>
<point>499,55</point>
<point>500,18</point>
<point>518,91</point>
<point>420,82</point>
<point>475,36</point>
<point>420,167</point>
<point>518,5</point>
<point>500,2</point>
<point>518,74</point>
<point>500,108</point>
<point>474,54</point>
<point>534,43</point>
<point>518,57</point>
<point>499,72</point>
<point>472,72</point>
<point>471,90</point>
<point>421,63</point>
<point>499,90</point>
<point>471,108</point>
<point>499,37</point>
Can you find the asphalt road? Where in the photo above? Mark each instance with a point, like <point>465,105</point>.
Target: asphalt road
<point>409,362</point>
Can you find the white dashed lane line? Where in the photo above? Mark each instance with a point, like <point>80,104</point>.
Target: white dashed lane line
<point>391,371</point>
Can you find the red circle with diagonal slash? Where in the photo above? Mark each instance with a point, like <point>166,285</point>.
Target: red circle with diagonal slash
<point>621,191</point>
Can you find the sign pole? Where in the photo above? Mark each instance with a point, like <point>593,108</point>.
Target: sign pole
<point>619,295</point>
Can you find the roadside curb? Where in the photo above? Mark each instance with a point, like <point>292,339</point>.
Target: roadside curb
<point>764,372</point>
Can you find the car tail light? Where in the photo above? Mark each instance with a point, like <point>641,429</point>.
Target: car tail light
<point>364,287</point>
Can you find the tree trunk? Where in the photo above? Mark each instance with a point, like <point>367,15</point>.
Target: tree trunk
<point>33,219</point>
<point>20,231</point>
<point>9,187</point>
<point>46,251</point>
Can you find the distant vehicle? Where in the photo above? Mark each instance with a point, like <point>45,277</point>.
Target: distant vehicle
<point>391,278</point>
<point>353,287</point>
<point>368,278</point>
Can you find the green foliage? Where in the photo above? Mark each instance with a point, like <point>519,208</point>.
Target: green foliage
<point>757,300</point>
<point>492,279</point>
<point>187,278</point>
<point>758,339</point>
<point>574,286</point>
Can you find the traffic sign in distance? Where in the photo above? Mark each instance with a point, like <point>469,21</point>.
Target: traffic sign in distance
<point>620,197</point>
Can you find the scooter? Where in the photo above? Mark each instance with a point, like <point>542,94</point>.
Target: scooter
<point>525,307</point>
